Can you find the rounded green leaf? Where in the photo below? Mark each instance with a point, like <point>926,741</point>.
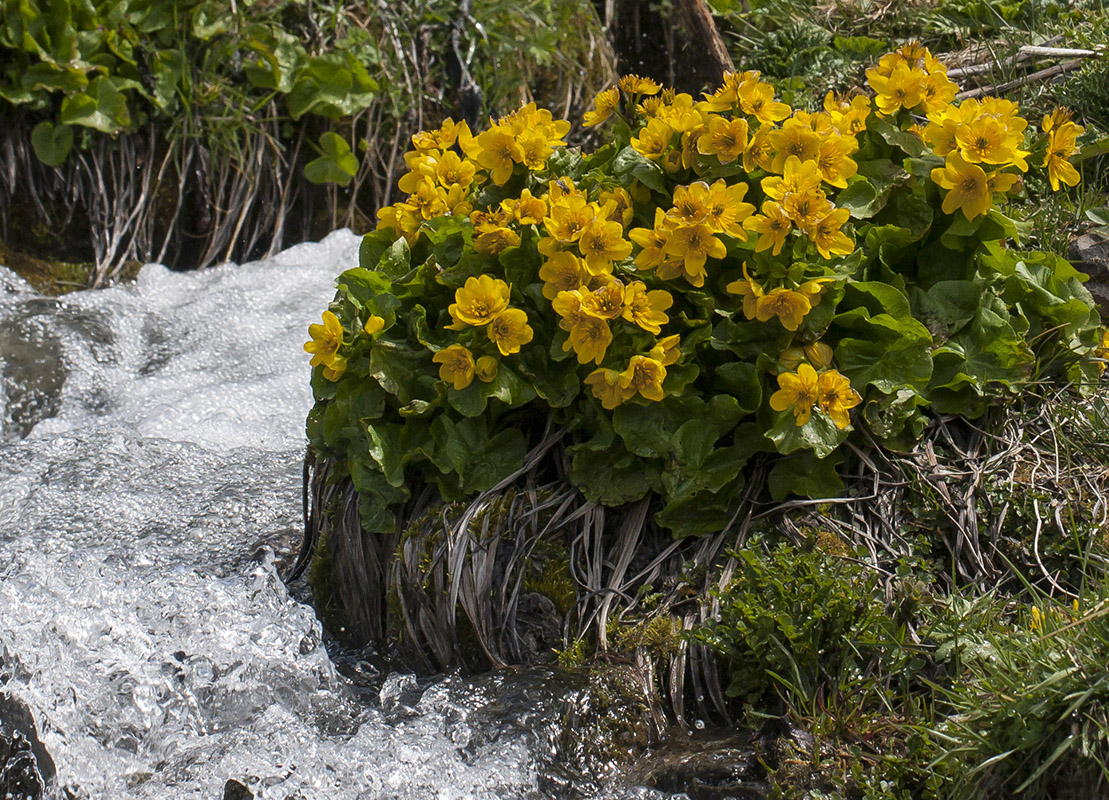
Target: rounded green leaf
<point>52,143</point>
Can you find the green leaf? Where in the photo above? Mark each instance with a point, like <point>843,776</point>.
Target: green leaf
<point>645,429</point>
<point>947,307</point>
<point>102,106</point>
<point>337,164</point>
<point>876,297</point>
<point>479,460</point>
<point>610,476</point>
<point>694,440</point>
<point>388,447</point>
<point>396,261</point>
<point>51,76</point>
<point>891,416</point>
<point>805,475</point>
<point>51,144</point>
<point>631,165</point>
<point>396,367</point>
<point>988,351</point>
<point>819,434</point>
<point>373,247</point>
<point>860,198</point>
<point>909,142</point>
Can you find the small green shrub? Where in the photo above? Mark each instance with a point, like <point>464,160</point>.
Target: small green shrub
<point>795,624</point>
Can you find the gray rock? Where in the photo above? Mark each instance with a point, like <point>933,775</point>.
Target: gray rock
<point>1090,253</point>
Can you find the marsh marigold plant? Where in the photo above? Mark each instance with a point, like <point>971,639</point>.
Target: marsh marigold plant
<point>724,277</point>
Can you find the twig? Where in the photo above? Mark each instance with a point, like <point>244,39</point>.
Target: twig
<point>1024,80</point>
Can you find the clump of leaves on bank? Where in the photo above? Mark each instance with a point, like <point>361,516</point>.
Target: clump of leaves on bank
<point>724,277</point>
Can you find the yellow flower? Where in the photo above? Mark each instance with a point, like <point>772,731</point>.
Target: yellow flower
<point>798,177</point>
<point>900,89</point>
<point>486,369</point>
<point>374,324</point>
<point>1062,142</point>
<point>693,245</point>
<point>653,140</point>
<point>793,139</point>
<point>750,291</point>
<point>498,153</point>
<point>818,354</point>
<point>496,240</point>
<point>456,366</point>
<point>759,152</point>
<point>797,390</point>
<point>726,139</point>
<point>726,210</point>
<point>1101,352</point>
<point>326,340</point>
<point>479,301</point>
<point>601,243</point>
<point>827,236</point>
<point>616,205</point>
<point>645,376</point>
<point>937,92</point>
<point>453,171</point>
<point>335,369</point>
<point>691,204</point>
<point>849,116</point>
<point>806,209</point>
<point>836,397</point>
<point>535,148</point>
<point>647,309</point>
<point>666,350</point>
<point>788,306</point>
<point>652,241</point>
<point>568,217</point>
<point>833,161</point>
<point>429,199</point>
<point>509,331</point>
<point>606,387</point>
<point>772,226</point>
<point>966,185</point>
<point>984,140</point>
<point>402,218</point>
<point>528,210</point>
<point>562,272</point>
<point>589,338</point>
<point>603,105</point>
<point>814,289</point>
<point>606,302</point>
<point>757,99</point>
<point>633,84</point>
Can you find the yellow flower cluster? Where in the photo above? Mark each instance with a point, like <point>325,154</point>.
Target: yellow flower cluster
<point>482,303</point>
<point>829,391</point>
<point>789,305</point>
<point>911,77</point>
<point>981,141</point>
<point>1062,142</point>
<point>685,237</point>
<point>441,181</point>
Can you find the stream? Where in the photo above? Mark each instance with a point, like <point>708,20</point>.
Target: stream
<point>151,439</point>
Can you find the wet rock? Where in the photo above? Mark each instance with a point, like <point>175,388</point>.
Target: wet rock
<point>705,770</point>
<point>1090,253</point>
<point>26,769</point>
<point>233,790</point>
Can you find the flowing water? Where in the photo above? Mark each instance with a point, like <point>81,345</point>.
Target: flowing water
<point>150,466</point>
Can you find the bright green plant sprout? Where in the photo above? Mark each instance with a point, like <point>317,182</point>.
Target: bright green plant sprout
<point>722,277</point>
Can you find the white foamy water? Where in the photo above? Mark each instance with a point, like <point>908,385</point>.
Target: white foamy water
<point>150,447</point>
